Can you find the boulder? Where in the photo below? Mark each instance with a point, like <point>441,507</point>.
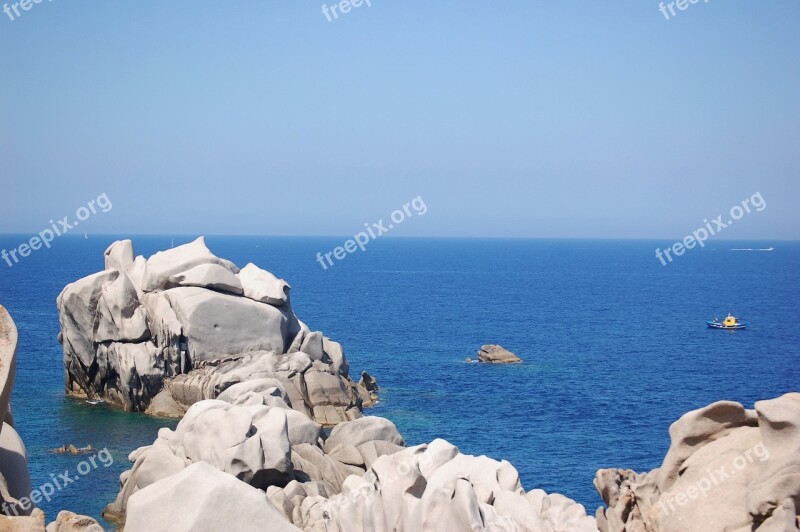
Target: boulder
<point>119,255</point>
<point>211,276</point>
<point>201,498</point>
<point>159,334</point>
<point>71,522</point>
<point>496,354</point>
<point>698,428</point>
<point>431,488</point>
<point>32,523</point>
<point>120,316</point>
<point>727,468</point>
<point>217,325</point>
<point>260,285</point>
<point>15,481</point>
<point>776,485</point>
<point>362,430</point>
<point>164,264</point>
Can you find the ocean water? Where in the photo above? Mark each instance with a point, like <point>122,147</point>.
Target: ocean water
<point>614,344</point>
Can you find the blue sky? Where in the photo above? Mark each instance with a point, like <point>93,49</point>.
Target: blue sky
<point>532,119</point>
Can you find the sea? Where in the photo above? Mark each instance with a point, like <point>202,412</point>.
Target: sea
<point>615,345</point>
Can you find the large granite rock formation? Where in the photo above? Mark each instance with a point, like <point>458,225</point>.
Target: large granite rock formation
<point>428,488</point>
<point>254,436</point>
<point>728,468</point>
<point>18,510</point>
<point>15,482</point>
<point>160,334</point>
<point>358,478</point>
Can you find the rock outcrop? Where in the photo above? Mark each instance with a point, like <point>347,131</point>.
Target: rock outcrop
<point>67,521</point>
<point>496,354</point>
<point>17,507</point>
<point>431,487</point>
<point>199,498</point>
<point>728,468</point>
<point>15,481</point>
<point>258,439</point>
<point>358,478</point>
<point>160,334</point>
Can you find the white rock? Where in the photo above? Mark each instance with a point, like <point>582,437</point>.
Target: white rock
<point>260,285</point>
<point>164,264</point>
<point>219,324</point>
<point>201,498</point>
<point>119,255</point>
<point>367,428</point>
<point>120,316</point>
<point>211,276</point>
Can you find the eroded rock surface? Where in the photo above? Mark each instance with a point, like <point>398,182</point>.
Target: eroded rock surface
<point>728,468</point>
<point>496,354</point>
<point>159,334</point>
<point>360,478</point>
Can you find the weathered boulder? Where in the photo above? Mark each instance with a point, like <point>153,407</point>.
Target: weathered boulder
<point>431,488</point>
<point>15,481</point>
<point>368,428</point>
<point>201,498</point>
<point>776,485</point>
<point>728,468</point>
<point>216,325</point>
<point>71,522</point>
<point>261,445</point>
<point>496,354</point>
<point>211,276</point>
<point>119,255</point>
<point>164,264</point>
<point>24,523</point>
<point>260,285</point>
<point>160,334</point>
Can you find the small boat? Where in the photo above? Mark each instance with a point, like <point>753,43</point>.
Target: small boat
<point>730,322</point>
<point>94,402</point>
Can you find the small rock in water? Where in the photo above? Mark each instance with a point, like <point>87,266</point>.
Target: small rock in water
<point>496,354</point>
<point>71,449</point>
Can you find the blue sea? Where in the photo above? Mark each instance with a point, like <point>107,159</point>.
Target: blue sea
<point>614,344</point>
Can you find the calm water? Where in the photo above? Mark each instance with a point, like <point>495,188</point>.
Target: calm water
<point>615,345</point>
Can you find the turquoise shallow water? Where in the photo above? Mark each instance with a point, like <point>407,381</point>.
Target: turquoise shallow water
<point>615,345</point>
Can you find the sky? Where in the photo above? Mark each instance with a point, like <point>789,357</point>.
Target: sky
<point>577,119</point>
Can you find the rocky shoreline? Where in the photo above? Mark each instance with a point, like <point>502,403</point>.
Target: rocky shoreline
<point>272,434</point>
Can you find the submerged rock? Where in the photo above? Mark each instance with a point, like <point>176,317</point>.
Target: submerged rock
<point>160,334</point>
<point>71,449</point>
<point>496,354</point>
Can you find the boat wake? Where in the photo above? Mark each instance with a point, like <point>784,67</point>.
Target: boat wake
<point>752,249</point>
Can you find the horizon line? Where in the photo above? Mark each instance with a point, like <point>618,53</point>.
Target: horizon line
<point>438,237</point>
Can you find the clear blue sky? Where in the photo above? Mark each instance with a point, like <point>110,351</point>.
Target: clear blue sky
<point>519,118</point>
